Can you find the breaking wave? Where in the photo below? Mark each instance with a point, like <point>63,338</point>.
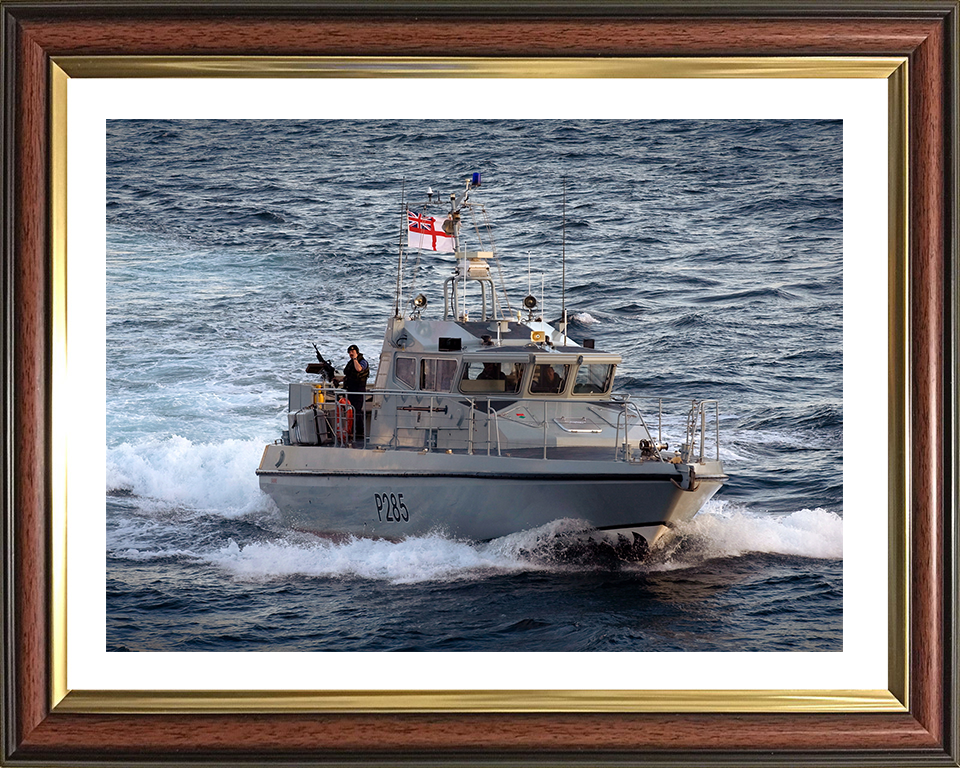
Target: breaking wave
<point>721,530</point>
<point>724,529</point>
<point>175,472</point>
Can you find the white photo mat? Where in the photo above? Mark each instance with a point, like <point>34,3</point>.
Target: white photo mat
<point>862,104</point>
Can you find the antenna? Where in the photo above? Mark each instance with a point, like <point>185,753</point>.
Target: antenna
<point>529,274</point>
<point>403,210</point>
<point>563,258</point>
<point>543,314</point>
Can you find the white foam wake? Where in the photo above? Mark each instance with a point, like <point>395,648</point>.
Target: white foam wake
<point>720,531</point>
<point>424,558</point>
<point>177,472</point>
<point>723,529</point>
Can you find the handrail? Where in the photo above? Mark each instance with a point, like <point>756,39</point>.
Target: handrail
<point>628,406</point>
<point>612,398</point>
<point>627,409</point>
<point>697,427</point>
<point>544,430</point>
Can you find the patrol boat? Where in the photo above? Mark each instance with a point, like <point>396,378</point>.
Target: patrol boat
<point>484,422</point>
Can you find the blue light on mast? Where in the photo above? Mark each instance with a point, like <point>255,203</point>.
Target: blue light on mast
<point>475,181</point>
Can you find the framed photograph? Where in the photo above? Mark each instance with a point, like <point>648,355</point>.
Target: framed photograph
<point>75,80</point>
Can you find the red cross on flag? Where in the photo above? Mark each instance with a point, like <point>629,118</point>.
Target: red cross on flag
<point>427,233</point>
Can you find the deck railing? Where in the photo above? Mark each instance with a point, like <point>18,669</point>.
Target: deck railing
<point>436,411</point>
<point>693,448</point>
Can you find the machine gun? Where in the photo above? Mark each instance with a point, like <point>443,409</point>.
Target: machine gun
<point>322,367</point>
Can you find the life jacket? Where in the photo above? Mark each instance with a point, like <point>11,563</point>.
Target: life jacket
<point>356,381</point>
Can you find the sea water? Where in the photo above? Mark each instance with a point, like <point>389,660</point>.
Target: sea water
<point>707,253</point>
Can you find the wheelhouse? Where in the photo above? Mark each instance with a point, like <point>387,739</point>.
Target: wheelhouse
<point>501,371</point>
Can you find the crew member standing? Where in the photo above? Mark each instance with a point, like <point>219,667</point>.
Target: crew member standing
<point>355,375</point>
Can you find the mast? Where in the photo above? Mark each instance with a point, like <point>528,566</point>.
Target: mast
<point>459,252</point>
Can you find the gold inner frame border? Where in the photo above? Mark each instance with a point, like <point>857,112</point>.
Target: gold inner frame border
<point>894,699</point>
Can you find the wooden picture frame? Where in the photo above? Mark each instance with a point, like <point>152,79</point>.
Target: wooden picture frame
<point>42,726</point>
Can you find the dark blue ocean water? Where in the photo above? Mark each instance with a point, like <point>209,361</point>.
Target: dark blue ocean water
<point>707,253</point>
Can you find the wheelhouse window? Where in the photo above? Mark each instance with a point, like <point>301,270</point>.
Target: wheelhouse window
<point>436,375</point>
<point>491,377</point>
<point>549,379</point>
<point>593,379</point>
<point>405,371</point>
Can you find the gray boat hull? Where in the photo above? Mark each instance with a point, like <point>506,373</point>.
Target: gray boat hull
<point>395,494</point>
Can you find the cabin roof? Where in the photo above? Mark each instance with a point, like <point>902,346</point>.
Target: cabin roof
<point>508,336</point>
<point>513,332</point>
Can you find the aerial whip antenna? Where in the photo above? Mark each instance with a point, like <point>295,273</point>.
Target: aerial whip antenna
<point>563,259</point>
<point>403,209</point>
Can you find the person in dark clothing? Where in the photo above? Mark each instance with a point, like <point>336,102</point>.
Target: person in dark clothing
<point>549,380</point>
<point>491,371</point>
<point>355,375</point>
